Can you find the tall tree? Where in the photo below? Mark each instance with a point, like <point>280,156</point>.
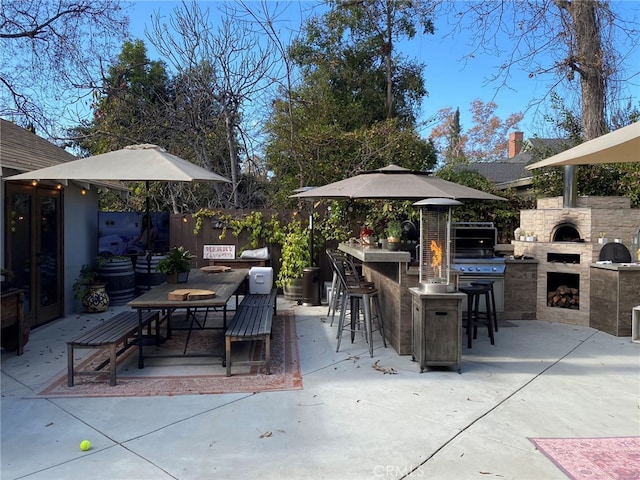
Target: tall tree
<point>140,103</point>
<point>577,35</point>
<point>338,111</point>
<point>238,68</point>
<point>52,54</point>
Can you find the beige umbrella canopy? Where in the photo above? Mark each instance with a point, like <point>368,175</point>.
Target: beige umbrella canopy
<point>133,163</point>
<point>622,145</point>
<point>395,183</point>
<point>144,162</point>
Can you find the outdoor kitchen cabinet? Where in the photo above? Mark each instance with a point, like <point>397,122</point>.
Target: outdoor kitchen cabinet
<point>437,329</point>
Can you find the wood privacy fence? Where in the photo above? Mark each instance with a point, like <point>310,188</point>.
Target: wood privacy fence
<point>181,233</point>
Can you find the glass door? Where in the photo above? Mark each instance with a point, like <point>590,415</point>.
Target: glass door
<point>34,249</point>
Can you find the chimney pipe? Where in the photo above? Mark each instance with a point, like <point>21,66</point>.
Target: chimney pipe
<point>570,194</point>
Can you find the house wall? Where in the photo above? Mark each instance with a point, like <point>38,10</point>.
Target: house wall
<point>80,238</point>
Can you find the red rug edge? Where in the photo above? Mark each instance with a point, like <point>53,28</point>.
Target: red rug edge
<point>291,370</point>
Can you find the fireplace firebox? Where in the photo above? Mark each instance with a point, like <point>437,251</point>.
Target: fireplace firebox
<point>563,290</point>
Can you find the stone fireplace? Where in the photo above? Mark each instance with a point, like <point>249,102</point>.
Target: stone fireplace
<point>567,243</point>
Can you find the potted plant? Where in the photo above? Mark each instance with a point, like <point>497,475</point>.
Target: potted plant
<point>176,265</point>
<point>366,235</point>
<point>602,237</point>
<point>394,232</point>
<point>90,291</point>
<point>295,257</point>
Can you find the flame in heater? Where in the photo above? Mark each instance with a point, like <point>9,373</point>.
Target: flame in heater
<point>436,257</point>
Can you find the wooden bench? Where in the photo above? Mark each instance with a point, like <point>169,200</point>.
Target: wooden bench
<point>252,321</point>
<point>116,331</point>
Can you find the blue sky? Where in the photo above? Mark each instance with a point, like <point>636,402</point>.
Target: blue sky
<point>452,78</point>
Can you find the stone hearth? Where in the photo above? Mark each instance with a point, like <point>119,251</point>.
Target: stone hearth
<point>612,215</point>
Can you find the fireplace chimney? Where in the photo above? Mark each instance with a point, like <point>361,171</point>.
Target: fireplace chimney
<point>516,139</point>
<point>570,194</point>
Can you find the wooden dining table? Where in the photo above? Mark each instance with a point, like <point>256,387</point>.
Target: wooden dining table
<point>224,284</point>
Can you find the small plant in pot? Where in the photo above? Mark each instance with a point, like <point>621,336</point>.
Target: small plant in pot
<point>88,289</point>
<point>394,232</point>
<point>176,265</point>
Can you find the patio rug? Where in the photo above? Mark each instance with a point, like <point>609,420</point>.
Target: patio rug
<point>191,375</point>
<point>594,458</point>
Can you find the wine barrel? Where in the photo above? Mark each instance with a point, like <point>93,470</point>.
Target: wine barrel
<point>146,274</point>
<point>119,279</point>
<point>292,289</point>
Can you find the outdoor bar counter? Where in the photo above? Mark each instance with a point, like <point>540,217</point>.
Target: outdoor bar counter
<point>614,294</point>
<point>393,276</point>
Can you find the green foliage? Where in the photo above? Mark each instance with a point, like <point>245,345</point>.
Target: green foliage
<point>335,123</point>
<point>394,230</point>
<point>87,277</point>
<point>294,239</point>
<point>177,260</point>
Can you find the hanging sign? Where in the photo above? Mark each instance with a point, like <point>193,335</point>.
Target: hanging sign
<point>219,252</point>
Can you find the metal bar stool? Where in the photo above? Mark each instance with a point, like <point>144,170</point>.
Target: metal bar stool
<point>489,283</point>
<point>351,274</point>
<point>357,298</point>
<point>474,316</point>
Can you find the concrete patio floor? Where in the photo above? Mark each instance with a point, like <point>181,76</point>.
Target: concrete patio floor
<point>350,421</point>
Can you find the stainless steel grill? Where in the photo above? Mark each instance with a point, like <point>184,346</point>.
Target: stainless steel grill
<point>474,257</point>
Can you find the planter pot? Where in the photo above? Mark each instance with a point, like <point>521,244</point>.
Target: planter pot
<point>177,277</point>
<point>393,245</point>
<point>602,240</point>
<point>96,300</point>
<point>292,289</point>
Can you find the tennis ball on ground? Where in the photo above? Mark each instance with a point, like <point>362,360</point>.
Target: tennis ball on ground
<point>85,445</point>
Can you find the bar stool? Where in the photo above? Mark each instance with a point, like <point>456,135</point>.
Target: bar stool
<point>489,283</point>
<point>474,316</point>
<point>351,275</point>
<point>357,298</point>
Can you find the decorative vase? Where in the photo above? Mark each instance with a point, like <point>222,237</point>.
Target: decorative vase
<point>96,299</point>
<point>367,240</point>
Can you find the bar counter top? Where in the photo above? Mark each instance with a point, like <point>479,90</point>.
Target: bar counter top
<point>372,254</point>
<point>616,266</point>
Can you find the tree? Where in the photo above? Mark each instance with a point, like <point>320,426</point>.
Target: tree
<point>578,36</point>
<point>335,121</point>
<point>236,63</point>
<point>52,53</point>
<point>487,139</point>
<point>140,103</point>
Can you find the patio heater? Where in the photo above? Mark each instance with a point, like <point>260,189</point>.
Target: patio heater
<point>436,244</point>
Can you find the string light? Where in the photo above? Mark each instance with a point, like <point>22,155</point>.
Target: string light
<point>83,191</point>
<point>184,219</point>
<point>34,182</point>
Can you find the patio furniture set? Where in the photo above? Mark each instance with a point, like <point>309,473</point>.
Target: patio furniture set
<point>252,320</point>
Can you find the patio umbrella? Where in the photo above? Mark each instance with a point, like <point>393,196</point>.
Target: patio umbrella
<point>397,183</point>
<point>144,162</point>
<point>622,145</point>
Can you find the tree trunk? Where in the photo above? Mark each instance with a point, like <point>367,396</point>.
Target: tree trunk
<point>588,63</point>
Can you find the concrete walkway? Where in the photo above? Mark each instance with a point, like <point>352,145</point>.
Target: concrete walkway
<point>350,421</point>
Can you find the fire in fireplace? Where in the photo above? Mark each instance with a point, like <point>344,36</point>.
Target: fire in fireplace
<point>563,290</point>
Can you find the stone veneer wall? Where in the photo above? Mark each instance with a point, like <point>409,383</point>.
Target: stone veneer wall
<point>592,215</point>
